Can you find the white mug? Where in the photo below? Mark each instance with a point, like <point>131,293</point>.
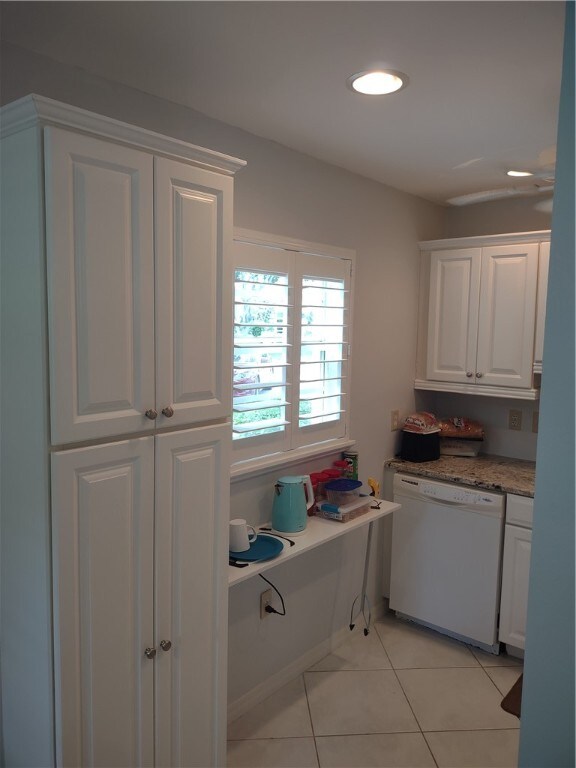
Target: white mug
<point>240,539</point>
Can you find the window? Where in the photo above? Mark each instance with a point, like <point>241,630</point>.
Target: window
<point>291,370</point>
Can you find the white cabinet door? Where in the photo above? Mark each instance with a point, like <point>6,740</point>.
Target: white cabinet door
<point>543,265</point>
<point>99,219</point>
<point>103,528</point>
<point>193,230</point>
<point>515,579</point>
<point>507,315</point>
<point>192,480</point>
<point>453,315</point>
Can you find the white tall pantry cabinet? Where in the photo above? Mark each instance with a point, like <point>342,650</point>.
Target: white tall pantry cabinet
<point>116,396</point>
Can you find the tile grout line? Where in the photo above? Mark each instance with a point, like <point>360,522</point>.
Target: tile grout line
<point>494,683</point>
<point>311,719</point>
<point>413,713</point>
<point>407,699</point>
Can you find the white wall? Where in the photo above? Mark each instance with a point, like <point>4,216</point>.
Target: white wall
<point>492,413</point>
<point>516,214</point>
<point>287,193</point>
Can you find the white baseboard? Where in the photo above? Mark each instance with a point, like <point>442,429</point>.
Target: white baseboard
<point>295,669</point>
<point>511,650</point>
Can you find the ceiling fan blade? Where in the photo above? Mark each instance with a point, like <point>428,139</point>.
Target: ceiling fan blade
<point>495,194</point>
<point>480,197</point>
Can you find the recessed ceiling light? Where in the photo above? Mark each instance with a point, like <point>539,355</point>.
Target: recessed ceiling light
<point>519,173</point>
<point>377,82</point>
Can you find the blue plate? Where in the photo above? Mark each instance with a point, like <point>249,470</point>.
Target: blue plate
<point>264,548</point>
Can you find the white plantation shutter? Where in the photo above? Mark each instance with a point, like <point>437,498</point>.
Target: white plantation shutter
<point>291,349</point>
<point>262,376</point>
<point>323,340</point>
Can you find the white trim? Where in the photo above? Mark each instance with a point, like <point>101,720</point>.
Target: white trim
<point>34,110</point>
<point>300,665</point>
<point>512,393</point>
<point>291,244</point>
<point>538,236</point>
<point>274,682</point>
<point>242,470</point>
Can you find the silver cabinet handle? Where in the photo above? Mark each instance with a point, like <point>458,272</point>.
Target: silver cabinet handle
<point>151,414</point>
<point>168,411</point>
<point>165,645</point>
<point>469,374</point>
<point>479,375</point>
<point>150,653</point>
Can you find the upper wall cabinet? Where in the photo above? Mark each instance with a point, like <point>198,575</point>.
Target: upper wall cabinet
<point>478,315</point>
<point>137,249</point>
<point>543,264</point>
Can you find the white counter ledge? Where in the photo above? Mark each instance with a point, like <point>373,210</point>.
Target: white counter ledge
<point>318,532</point>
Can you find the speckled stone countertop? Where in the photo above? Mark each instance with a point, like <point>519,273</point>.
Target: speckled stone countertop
<point>494,473</point>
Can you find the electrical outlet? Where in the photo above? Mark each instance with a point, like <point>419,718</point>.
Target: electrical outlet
<point>394,420</point>
<point>514,419</point>
<point>535,416</point>
<point>265,599</point>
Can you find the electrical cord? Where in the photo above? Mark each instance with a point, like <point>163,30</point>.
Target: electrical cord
<point>269,608</point>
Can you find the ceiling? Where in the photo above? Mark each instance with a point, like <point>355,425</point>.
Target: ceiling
<point>482,98</point>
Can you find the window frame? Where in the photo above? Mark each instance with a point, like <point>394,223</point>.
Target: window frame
<point>271,253</point>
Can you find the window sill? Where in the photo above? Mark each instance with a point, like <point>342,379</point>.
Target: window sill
<point>242,470</point>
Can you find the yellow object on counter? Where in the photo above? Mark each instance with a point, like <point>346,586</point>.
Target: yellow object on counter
<point>375,486</point>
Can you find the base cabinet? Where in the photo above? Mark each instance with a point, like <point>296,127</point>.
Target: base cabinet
<point>515,571</point>
<point>103,559</point>
<point>137,528</point>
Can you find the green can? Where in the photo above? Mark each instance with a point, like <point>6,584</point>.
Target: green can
<point>351,458</point>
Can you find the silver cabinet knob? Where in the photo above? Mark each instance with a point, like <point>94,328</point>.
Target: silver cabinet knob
<point>479,375</point>
<point>165,645</point>
<point>151,414</point>
<point>150,653</point>
<point>168,411</point>
<point>469,374</point>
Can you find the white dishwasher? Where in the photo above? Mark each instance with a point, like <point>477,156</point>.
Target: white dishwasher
<point>446,558</point>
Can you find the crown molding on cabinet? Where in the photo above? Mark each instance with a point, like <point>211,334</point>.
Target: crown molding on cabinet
<point>33,110</point>
<point>478,241</point>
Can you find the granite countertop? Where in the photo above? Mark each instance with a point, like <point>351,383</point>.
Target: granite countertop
<point>494,473</point>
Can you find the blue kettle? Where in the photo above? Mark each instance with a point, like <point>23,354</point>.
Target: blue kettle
<point>293,497</point>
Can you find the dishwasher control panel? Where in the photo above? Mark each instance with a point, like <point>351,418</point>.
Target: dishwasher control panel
<point>447,493</point>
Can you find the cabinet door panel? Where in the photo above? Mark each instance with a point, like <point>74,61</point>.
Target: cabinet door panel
<point>192,498</point>
<point>543,264</point>
<point>193,292</point>
<point>515,580</point>
<point>507,315</point>
<point>101,291</point>
<point>103,527</point>
<point>453,314</point>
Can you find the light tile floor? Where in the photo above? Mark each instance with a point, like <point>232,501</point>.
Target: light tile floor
<point>402,697</point>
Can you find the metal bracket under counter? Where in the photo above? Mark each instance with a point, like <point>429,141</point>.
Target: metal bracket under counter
<point>318,531</point>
